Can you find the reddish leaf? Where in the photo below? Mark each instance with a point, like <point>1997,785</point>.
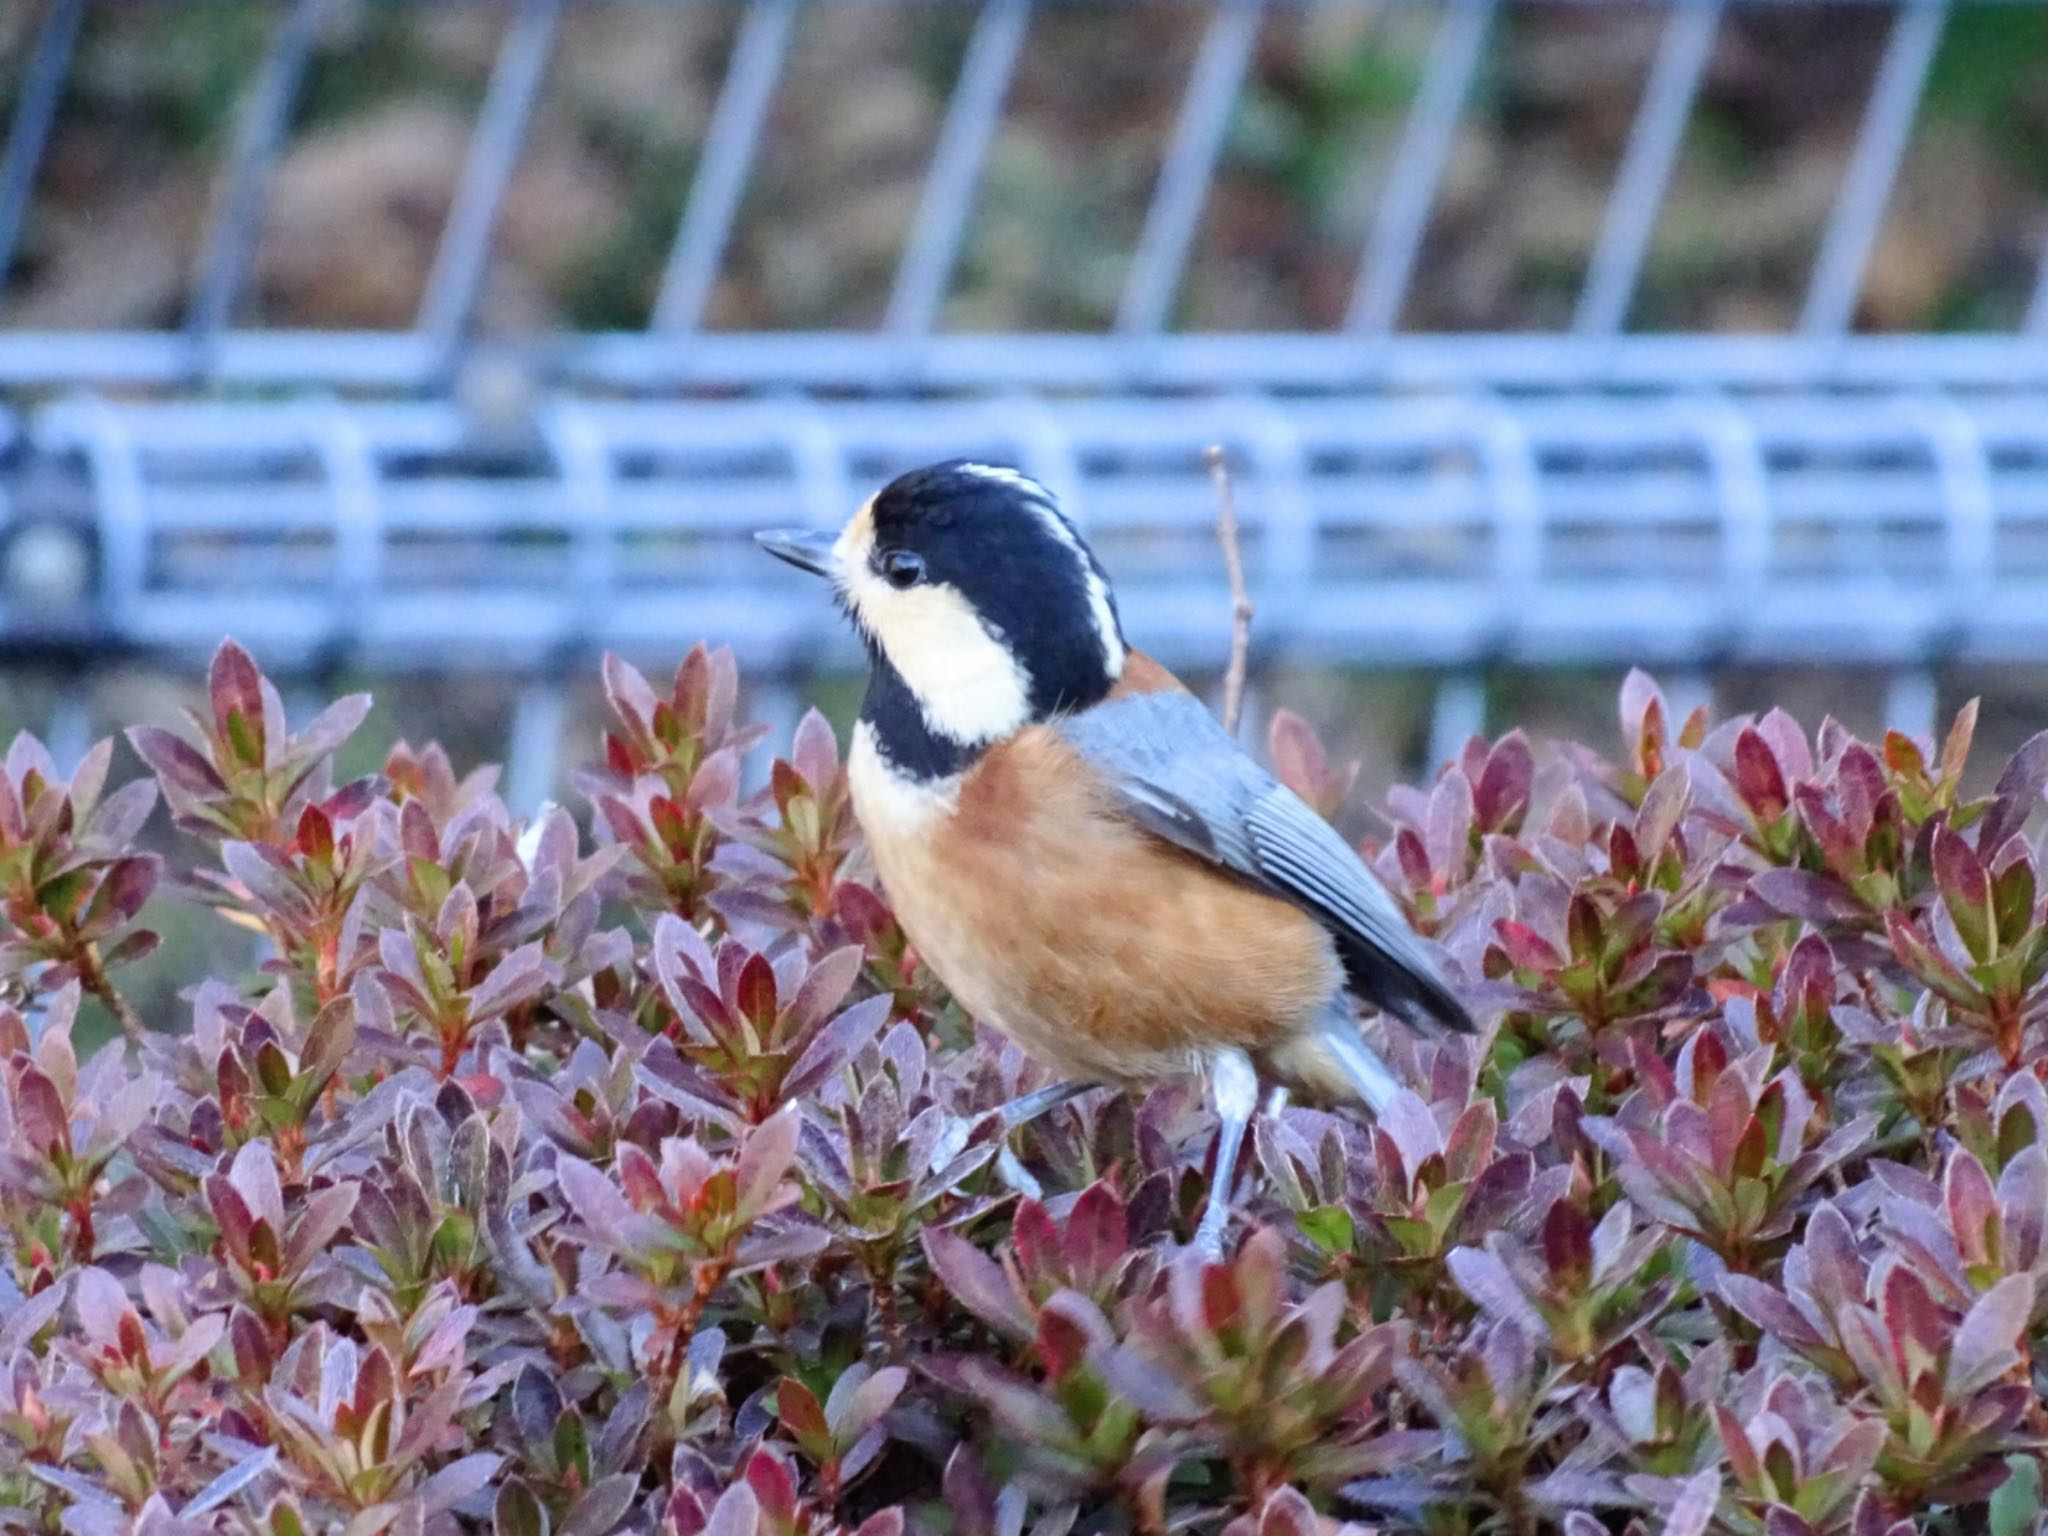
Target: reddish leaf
<point>1819,899</point>
<point>1966,891</point>
<point>1525,948</point>
<point>1097,1235</point>
<point>2016,794</point>
<point>1758,779</point>
<point>1987,1342</point>
<point>1972,1205</point>
<point>1062,1342</point>
<point>183,772</point>
<point>754,996</point>
<point>977,1283</point>
<point>235,689</point>
<point>1502,796</point>
<point>1955,751</point>
<point>801,1413</point>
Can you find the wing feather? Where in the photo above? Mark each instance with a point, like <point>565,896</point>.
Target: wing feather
<point>1178,774</point>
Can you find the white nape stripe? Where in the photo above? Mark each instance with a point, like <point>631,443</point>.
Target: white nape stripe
<point>1100,609</point>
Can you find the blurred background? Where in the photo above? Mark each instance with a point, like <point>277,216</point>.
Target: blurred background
<point>437,348</point>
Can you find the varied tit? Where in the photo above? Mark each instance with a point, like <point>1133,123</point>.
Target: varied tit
<point>1075,845</point>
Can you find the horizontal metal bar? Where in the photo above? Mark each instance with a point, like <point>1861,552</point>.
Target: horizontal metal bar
<point>1899,528</point>
<point>839,360</point>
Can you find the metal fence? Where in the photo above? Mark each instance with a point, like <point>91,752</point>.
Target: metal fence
<point>1441,500</point>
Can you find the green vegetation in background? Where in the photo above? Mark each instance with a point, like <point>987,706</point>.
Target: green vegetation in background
<point>1991,75</point>
<point>612,282</point>
<point>174,74</point>
<point>383,59</point>
<point>1305,137</point>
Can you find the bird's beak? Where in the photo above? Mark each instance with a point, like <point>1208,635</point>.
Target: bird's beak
<point>805,550</point>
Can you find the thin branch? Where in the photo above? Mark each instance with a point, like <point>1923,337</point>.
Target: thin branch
<point>1240,598</point>
<point>92,976</point>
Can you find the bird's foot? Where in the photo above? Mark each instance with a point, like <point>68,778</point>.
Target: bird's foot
<point>1019,1111</point>
<point>1208,1241</point>
<point>1027,1107</point>
<point>1234,1096</point>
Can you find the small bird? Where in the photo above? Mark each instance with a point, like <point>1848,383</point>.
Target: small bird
<point>1076,846</point>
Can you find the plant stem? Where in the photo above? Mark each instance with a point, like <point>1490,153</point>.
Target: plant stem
<point>1240,596</point>
<point>710,1275</point>
<point>93,977</point>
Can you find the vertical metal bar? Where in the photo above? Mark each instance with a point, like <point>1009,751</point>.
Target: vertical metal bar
<point>1911,700</point>
<point>352,472</point>
<point>1740,477</point>
<point>1653,145</point>
<point>583,458</point>
<point>35,109</point>
<point>1457,714</point>
<point>1190,163</point>
<point>1045,450</point>
<point>539,716</point>
<point>728,155</point>
<point>1969,506</point>
<point>452,286</point>
<point>123,520</point>
<point>779,706</point>
<point>67,734</point>
<point>232,236</point>
<point>1514,484</point>
<point>1288,525</point>
<point>1686,688</point>
<point>1404,210</point>
<point>1880,143</point>
<point>971,120</point>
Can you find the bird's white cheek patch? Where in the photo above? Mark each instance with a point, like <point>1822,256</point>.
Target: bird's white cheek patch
<point>968,686</point>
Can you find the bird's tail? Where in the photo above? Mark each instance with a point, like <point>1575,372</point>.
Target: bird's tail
<point>1333,1061</point>
<point>1373,1079</point>
<point>1401,973</point>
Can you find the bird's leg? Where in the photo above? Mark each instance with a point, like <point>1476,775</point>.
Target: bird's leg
<point>1027,1107</point>
<point>1277,1098</point>
<point>1234,1096</point>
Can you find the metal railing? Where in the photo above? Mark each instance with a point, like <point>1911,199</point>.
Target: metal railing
<point>1441,500</point>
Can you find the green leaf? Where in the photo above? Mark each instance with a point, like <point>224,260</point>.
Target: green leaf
<point>1329,1227</point>
<point>518,1512</point>
<point>2016,1505</point>
<point>572,1444</point>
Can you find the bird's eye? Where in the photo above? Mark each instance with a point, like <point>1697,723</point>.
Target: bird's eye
<point>902,569</point>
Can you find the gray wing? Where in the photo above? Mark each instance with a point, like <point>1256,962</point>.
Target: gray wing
<point>1178,774</point>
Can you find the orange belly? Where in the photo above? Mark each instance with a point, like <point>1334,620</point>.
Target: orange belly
<point>1100,949</point>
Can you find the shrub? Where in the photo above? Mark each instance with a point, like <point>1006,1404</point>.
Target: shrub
<point>641,1178</point>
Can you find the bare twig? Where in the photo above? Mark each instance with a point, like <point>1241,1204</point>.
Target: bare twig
<point>1240,598</point>
<point>93,977</point>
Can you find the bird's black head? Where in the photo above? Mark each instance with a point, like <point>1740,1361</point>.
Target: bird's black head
<point>983,610</point>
